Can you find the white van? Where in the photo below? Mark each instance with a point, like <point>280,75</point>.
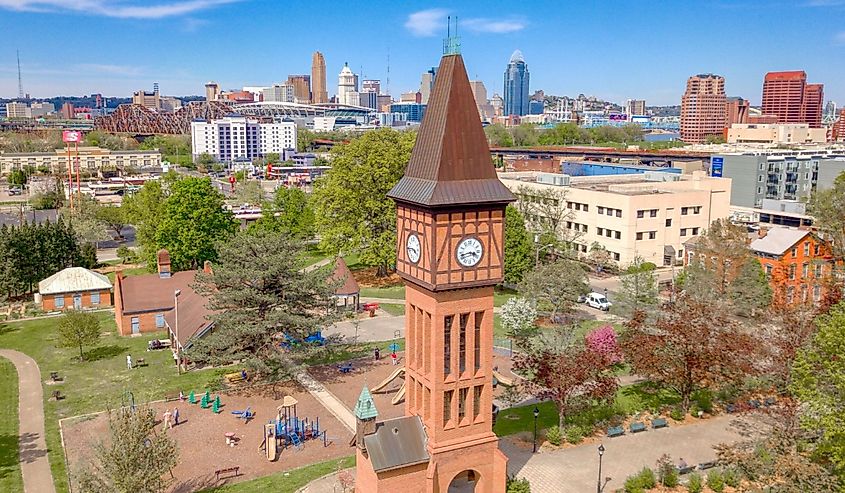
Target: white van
<point>598,301</point>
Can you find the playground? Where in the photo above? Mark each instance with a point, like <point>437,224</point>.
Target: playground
<point>222,447</point>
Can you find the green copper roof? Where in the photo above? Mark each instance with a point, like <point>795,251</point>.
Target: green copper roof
<point>365,408</point>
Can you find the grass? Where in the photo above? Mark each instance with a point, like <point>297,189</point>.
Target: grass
<point>100,383</point>
<point>337,353</point>
<point>395,309</point>
<point>287,482</point>
<point>10,469</point>
<point>132,271</point>
<point>390,292</point>
<point>502,295</point>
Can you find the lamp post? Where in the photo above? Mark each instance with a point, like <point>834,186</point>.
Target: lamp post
<point>536,415</point>
<point>176,332</point>
<point>598,483</point>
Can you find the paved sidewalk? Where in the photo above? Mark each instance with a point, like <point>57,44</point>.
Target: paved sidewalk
<point>575,470</point>
<point>380,328</point>
<point>329,484</point>
<point>328,400</point>
<point>35,465</point>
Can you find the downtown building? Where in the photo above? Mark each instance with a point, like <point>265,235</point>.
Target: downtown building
<point>788,97</point>
<point>516,86</point>
<point>236,139</point>
<point>347,86</point>
<point>703,108</point>
<point>318,79</point>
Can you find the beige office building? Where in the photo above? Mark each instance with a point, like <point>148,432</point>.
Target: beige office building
<point>775,133</point>
<point>90,158</point>
<point>649,215</point>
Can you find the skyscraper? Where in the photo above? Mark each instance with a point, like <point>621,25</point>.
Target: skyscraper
<point>212,91</point>
<point>301,88</point>
<point>634,107</point>
<point>703,108</point>
<point>479,93</point>
<point>736,111</point>
<point>788,96</point>
<point>371,85</point>
<point>516,86</point>
<point>318,79</point>
<point>347,84</point>
<point>427,83</point>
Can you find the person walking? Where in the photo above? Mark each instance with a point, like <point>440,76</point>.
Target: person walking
<point>394,358</point>
<point>377,352</point>
<point>166,420</point>
<point>175,416</point>
<point>129,361</point>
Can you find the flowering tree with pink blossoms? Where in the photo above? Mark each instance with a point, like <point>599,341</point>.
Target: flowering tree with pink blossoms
<point>602,341</point>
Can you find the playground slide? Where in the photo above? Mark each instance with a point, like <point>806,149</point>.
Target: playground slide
<point>386,382</point>
<point>507,382</point>
<point>399,396</point>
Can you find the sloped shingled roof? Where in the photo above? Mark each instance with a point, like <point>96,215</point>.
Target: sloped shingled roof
<point>397,442</point>
<point>778,240</point>
<point>451,163</point>
<point>72,280</point>
<point>342,273</point>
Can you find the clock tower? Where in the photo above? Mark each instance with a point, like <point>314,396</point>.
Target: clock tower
<point>450,235</point>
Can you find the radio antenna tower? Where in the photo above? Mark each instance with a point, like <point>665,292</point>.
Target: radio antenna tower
<point>387,82</point>
<point>20,81</point>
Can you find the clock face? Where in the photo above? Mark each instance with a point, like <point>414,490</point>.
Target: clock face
<point>469,252</point>
<point>413,248</point>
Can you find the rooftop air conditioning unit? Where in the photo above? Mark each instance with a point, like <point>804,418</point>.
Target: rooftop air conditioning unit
<point>661,176</point>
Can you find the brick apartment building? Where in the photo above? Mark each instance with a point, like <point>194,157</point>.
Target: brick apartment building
<point>788,96</point>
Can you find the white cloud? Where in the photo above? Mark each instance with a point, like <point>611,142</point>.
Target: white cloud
<point>426,22</point>
<point>496,26</point>
<point>110,8</point>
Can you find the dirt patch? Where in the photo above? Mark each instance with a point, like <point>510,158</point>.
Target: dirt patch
<point>365,371</point>
<point>368,278</point>
<point>202,444</point>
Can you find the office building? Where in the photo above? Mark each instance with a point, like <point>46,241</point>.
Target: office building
<point>634,107</point>
<point>414,111</point>
<point>301,88</point>
<point>93,159</point>
<point>498,105</point>
<point>16,109</point>
<point>736,111</point>
<point>535,107</point>
<point>68,111</point>
<point>149,100</point>
<point>384,102</point>
<point>649,215</point>
<point>235,138</point>
<point>347,83</point>
<point>371,85</point>
<point>775,133</point>
<point>839,127</point>
<point>789,97</point>
<point>479,94</point>
<point>776,174</point>
<point>703,108</point>
<point>39,109</point>
<point>368,99</point>
<point>279,93</point>
<point>427,84</point>
<point>212,91</point>
<point>516,86</point>
<point>318,78</point>
<point>410,97</point>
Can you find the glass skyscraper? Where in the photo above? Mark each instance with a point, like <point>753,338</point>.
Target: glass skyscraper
<point>516,86</point>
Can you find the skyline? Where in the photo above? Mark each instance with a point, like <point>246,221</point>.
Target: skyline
<point>614,51</point>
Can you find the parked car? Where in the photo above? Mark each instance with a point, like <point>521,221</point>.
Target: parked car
<point>598,301</point>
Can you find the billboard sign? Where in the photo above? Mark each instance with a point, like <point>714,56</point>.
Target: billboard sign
<point>72,136</point>
<point>717,163</point>
<point>618,117</point>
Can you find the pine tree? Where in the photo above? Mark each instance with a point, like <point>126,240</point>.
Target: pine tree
<point>518,259</point>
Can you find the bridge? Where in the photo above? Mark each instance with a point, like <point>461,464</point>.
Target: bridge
<point>601,154</point>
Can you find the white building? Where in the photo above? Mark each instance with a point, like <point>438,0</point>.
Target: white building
<point>278,93</point>
<point>347,86</point>
<point>16,109</point>
<point>775,133</point>
<point>39,109</point>
<point>234,138</point>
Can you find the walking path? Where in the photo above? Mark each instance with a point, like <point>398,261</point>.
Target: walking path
<point>329,484</point>
<point>575,470</point>
<point>328,400</point>
<point>35,465</point>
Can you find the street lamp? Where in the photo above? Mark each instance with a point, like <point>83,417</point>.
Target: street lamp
<point>536,415</point>
<point>598,483</point>
<point>176,332</point>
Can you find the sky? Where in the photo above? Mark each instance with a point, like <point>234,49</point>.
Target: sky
<point>611,49</point>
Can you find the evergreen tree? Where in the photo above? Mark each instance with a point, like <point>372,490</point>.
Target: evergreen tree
<point>750,293</point>
<point>518,259</point>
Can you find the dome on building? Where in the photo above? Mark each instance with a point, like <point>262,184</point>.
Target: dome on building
<point>346,70</point>
<point>517,57</point>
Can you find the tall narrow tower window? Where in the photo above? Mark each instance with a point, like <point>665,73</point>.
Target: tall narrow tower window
<point>462,342</point>
<point>462,403</point>
<point>479,316</point>
<point>447,344</point>
<point>447,406</point>
<point>476,400</point>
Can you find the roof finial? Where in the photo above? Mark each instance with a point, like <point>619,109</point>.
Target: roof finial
<point>452,44</point>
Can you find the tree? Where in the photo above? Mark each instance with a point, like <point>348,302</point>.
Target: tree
<point>261,296</point>
<point>750,293</point>
<point>192,221</point>
<point>547,214</point>
<point>518,259</point>
<point>604,342</point>
<point>290,213</point>
<point>17,177</point>
<point>686,349</point>
<point>144,210</point>
<point>563,370</point>
<point>135,458</point>
<point>599,256</point>
<point>555,287</point>
<point>250,192</point>
<point>524,135</point>
<point>714,139</point>
<point>498,136</point>
<point>78,329</point>
<point>827,206</point>
<point>564,134</point>
<point>351,205</point>
<point>638,286</point>
<point>205,159</point>
<point>518,317</point>
<point>819,384</point>
<point>113,217</point>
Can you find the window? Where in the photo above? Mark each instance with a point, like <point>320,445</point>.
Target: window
<point>794,251</point>
<point>816,250</point>
<point>618,212</point>
<point>159,320</point>
<point>652,235</point>
<point>462,342</point>
<point>476,401</point>
<point>668,222</point>
<point>462,403</point>
<point>817,292</point>
<point>817,271</point>
<point>586,208</point>
<point>768,270</point>
<point>652,213</point>
<point>790,294</point>
<point>792,268</point>
<point>694,231</point>
<point>639,236</point>
<point>616,257</point>
<point>601,210</point>
<point>617,235</point>
<point>59,301</point>
<point>805,270</point>
<point>577,206</point>
<point>696,209</point>
<point>803,293</point>
<point>479,316</point>
<point>609,212</point>
<point>640,214</point>
<point>447,406</point>
<point>806,248</point>
<point>683,231</point>
<point>447,344</point>
<point>684,211</point>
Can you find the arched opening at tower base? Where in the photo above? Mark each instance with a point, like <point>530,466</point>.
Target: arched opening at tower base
<point>465,482</point>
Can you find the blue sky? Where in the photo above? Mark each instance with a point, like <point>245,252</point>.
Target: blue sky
<point>611,49</point>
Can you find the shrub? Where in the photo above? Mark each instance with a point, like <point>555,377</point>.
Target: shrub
<point>648,266</point>
<point>732,477</point>
<point>667,472</point>
<point>574,434</point>
<point>716,481</point>
<point>677,414</point>
<point>704,402</point>
<point>694,485</point>
<point>647,479</point>
<point>518,485</point>
<point>632,485</point>
<point>554,436</point>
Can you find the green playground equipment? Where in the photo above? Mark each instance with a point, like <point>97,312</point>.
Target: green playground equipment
<point>215,408</point>
<point>192,398</point>
<point>204,400</point>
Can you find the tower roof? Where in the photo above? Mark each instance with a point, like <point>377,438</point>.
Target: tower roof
<point>451,163</point>
<point>365,408</point>
<point>517,57</point>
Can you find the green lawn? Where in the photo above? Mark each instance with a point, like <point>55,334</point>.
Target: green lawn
<point>329,355</point>
<point>391,292</point>
<point>10,470</point>
<point>502,295</point>
<point>395,309</point>
<point>102,380</point>
<point>287,482</point>
<point>131,271</point>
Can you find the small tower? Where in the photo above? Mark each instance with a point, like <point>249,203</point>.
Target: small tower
<point>365,417</point>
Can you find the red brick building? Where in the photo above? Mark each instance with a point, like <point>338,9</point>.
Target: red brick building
<point>839,128</point>
<point>75,288</point>
<point>703,108</point>
<point>792,99</point>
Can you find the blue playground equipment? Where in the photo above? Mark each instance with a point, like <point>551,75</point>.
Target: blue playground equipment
<point>315,339</point>
<point>293,431</point>
<point>244,414</point>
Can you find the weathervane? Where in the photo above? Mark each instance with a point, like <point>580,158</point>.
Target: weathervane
<point>452,44</point>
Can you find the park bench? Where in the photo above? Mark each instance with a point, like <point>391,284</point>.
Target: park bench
<point>615,431</point>
<point>172,396</point>
<point>659,423</point>
<point>731,408</point>
<point>707,465</point>
<point>229,470</point>
<point>770,401</point>
<point>345,368</point>
<point>754,403</point>
<point>686,469</point>
<point>54,376</point>
<point>141,362</point>
<point>637,427</point>
<point>57,395</point>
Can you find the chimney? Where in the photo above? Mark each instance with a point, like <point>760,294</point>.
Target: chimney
<point>163,262</point>
<point>762,232</point>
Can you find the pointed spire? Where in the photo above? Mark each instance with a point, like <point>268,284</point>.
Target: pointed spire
<point>365,408</point>
<point>451,163</point>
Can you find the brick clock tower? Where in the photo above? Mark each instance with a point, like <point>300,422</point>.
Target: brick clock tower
<point>450,230</point>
